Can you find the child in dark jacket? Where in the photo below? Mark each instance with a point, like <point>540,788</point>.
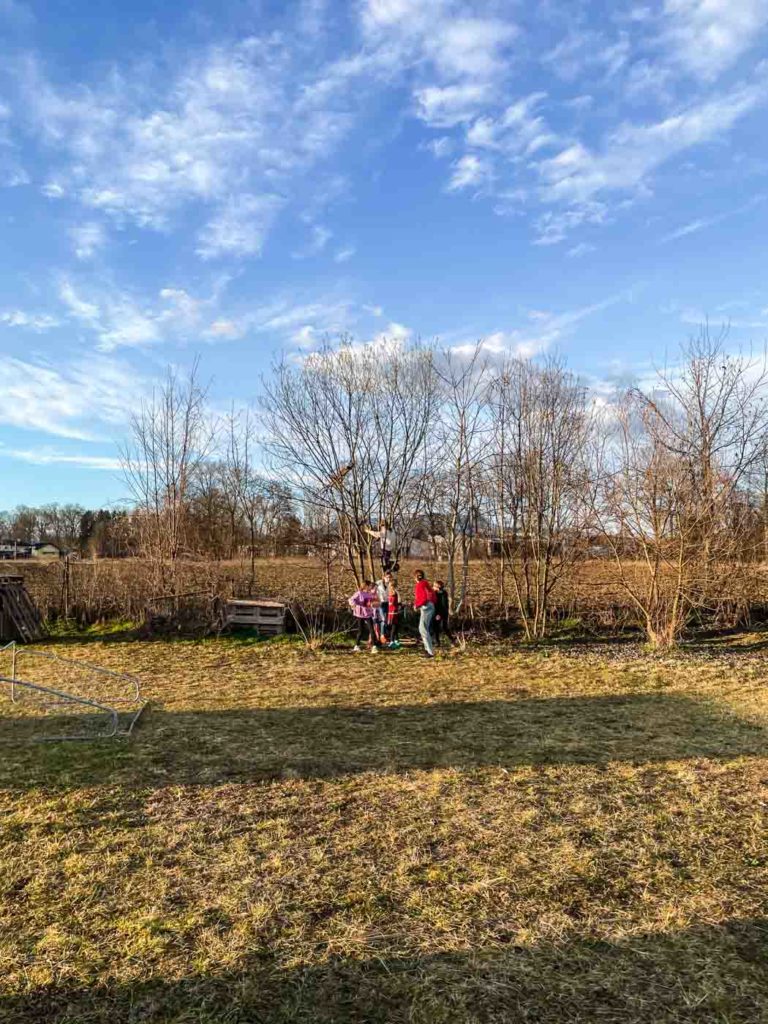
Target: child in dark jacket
<point>440,623</point>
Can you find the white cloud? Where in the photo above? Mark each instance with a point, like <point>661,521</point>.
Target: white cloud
<point>53,190</point>
<point>37,322</point>
<point>121,320</point>
<point>393,334</point>
<point>543,331</point>
<point>702,223</point>
<point>224,329</point>
<point>67,401</point>
<point>555,225</point>
<point>460,60</point>
<point>12,174</point>
<point>708,36</point>
<point>449,105</point>
<point>582,249</point>
<point>581,52</point>
<point>691,228</point>
<point>319,236</point>
<point>569,171</point>
<point>240,227</point>
<point>229,134</point>
<point>344,255</point>
<point>632,152</point>
<point>305,337</point>
<point>88,239</point>
<point>284,316</point>
<point>470,171</point>
<point>39,457</point>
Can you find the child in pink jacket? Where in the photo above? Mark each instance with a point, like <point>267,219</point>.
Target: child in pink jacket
<point>363,604</point>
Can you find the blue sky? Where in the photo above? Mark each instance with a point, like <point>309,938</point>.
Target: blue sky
<point>236,179</point>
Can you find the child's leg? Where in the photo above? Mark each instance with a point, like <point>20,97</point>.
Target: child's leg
<point>383,615</point>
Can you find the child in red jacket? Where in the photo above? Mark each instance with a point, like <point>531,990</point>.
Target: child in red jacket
<point>424,603</point>
<point>393,615</point>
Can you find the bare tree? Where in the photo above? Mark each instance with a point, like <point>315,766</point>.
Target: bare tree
<point>347,429</point>
<point>539,481</point>
<point>456,446</point>
<point>674,487</point>
<point>170,437</point>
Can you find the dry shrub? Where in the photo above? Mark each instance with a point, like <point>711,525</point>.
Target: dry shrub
<point>122,589</point>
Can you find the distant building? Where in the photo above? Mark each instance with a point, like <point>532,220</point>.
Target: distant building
<point>13,549</point>
<point>45,549</point>
<point>10,550</point>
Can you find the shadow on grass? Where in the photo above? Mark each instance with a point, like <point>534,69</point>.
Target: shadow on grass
<point>730,644</point>
<point>206,747</point>
<point>696,976</point>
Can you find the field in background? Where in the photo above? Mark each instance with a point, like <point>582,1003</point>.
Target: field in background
<point>495,836</point>
<point>121,589</point>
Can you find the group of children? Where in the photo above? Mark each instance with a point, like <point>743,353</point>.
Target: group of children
<point>377,607</point>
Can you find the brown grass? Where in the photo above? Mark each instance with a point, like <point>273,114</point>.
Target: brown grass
<point>121,589</point>
<point>495,836</point>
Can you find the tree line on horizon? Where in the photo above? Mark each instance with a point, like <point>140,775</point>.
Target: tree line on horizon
<point>667,482</point>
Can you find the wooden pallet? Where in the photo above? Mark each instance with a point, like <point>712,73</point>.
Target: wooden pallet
<point>19,617</point>
<point>267,617</point>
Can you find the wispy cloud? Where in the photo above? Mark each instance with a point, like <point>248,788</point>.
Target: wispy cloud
<point>470,171</point>
<point>228,136</point>
<point>121,319</point>
<point>583,51</point>
<point>37,322</point>
<point>344,255</point>
<point>633,151</point>
<point>88,239</point>
<point>707,36</point>
<point>582,249</point>
<point>702,223</point>
<point>691,228</point>
<point>542,330</point>
<point>44,457</point>
<point>319,236</point>
<point>67,401</point>
<point>565,173</point>
<point>240,226</point>
<point>460,58</point>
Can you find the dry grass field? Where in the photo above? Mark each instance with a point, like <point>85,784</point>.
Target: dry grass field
<point>103,590</point>
<point>500,835</point>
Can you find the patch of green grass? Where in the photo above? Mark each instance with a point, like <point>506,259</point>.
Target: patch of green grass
<point>69,629</point>
<point>305,836</point>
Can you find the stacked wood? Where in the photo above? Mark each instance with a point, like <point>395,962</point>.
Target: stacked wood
<point>20,618</point>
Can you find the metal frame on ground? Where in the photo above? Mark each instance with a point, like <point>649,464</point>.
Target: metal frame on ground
<point>60,697</point>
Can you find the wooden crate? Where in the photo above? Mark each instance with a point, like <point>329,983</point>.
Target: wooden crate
<point>268,617</point>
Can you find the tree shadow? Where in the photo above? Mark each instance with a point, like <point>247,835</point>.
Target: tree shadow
<point>726,644</point>
<point>208,747</point>
<point>696,976</point>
